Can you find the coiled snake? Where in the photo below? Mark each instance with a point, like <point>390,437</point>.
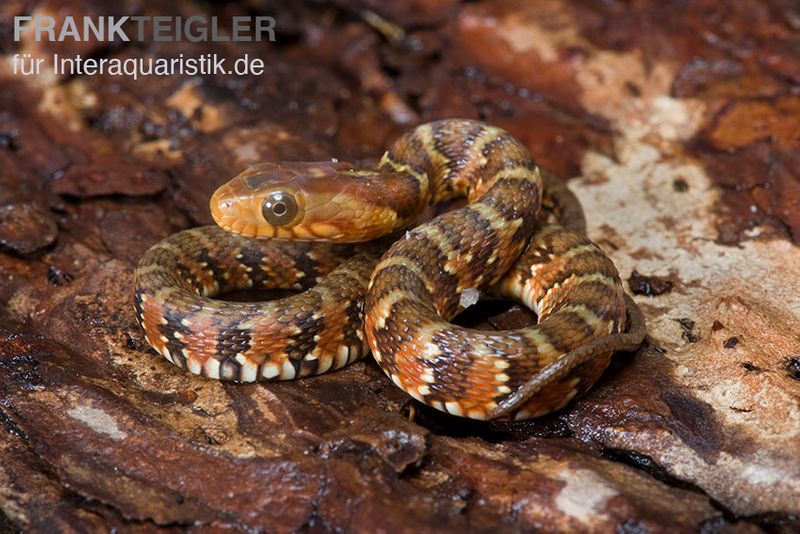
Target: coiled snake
<point>398,304</point>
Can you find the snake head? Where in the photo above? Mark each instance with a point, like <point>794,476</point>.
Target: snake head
<point>327,201</point>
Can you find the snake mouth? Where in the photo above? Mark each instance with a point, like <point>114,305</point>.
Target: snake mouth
<point>262,201</point>
<point>301,201</point>
<point>308,202</point>
<point>243,217</point>
<point>242,213</point>
<point>230,210</point>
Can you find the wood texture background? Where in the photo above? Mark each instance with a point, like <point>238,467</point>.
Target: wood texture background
<point>681,121</point>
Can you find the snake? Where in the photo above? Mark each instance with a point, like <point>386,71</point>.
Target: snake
<point>371,274</point>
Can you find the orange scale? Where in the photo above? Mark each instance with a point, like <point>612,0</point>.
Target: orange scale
<point>263,345</point>
<point>409,370</point>
<point>280,277</point>
<point>551,398</point>
<point>551,272</point>
<point>482,383</point>
<point>201,345</point>
<point>329,341</point>
<point>152,315</point>
<point>198,272</point>
<point>548,302</point>
<point>238,277</point>
<point>255,356</point>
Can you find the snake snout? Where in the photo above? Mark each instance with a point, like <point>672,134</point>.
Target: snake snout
<point>230,210</point>
<point>262,201</point>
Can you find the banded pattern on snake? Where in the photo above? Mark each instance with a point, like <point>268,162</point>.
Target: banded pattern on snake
<point>496,242</point>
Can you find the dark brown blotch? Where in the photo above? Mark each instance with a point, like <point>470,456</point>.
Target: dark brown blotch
<point>648,285</point>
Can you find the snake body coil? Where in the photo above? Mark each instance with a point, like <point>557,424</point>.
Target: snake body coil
<point>495,243</point>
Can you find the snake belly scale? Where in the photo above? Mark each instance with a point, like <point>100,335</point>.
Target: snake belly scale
<point>396,303</point>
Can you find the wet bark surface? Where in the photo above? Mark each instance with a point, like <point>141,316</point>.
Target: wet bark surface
<point>680,123</point>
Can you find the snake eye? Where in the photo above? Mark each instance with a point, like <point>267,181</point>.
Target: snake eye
<point>279,208</point>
